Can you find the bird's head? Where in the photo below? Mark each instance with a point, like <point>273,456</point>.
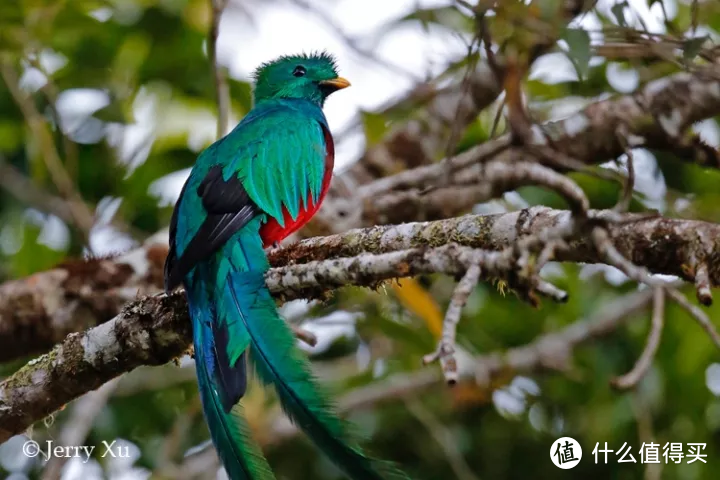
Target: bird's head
<point>308,76</point>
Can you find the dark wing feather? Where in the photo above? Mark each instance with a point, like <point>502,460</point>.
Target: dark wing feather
<point>172,251</point>
<point>232,378</point>
<point>229,208</point>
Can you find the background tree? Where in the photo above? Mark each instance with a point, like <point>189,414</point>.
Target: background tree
<point>561,158</point>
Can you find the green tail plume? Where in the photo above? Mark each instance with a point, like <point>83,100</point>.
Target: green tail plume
<point>279,362</point>
<point>240,455</point>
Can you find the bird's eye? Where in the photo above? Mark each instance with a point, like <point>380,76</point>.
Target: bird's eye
<point>299,71</point>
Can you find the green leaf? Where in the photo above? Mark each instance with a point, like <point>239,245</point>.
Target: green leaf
<point>449,16</point>
<point>549,9</point>
<point>115,112</point>
<point>578,41</point>
<point>375,127</point>
<point>619,11</point>
<point>692,46</point>
<point>11,135</point>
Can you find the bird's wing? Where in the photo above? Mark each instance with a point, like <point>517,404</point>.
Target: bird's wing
<point>285,164</point>
<point>273,160</point>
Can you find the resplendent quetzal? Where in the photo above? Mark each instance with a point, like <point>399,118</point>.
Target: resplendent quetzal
<point>247,191</point>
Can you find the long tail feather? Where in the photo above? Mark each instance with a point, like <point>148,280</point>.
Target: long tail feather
<point>230,433</point>
<point>280,363</point>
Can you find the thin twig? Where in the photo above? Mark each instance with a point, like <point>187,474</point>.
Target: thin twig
<point>699,315</point>
<point>694,13</point>
<point>444,438</point>
<point>644,416</point>
<point>25,191</point>
<point>702,284</point>
<point>641,367</point>
<point>172,445</point>
<point>456,127</point>
<point>623,203</point>
<point>549,290</point>
<point>613,257</point>
<point>526,173</point>
<point>222,91</point>
<point>640,274</point>
<point>487,43</point>
<point>304,335</point>
<point>78,426</point>
<point>517,117</point>
<point>70,148</point>
<point>496,120</point>
<point>445,351</point>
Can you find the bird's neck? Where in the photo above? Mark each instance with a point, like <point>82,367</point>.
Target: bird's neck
<point>304,106</point>
<point>318,103</point>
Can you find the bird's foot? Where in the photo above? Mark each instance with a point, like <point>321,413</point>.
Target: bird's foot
<point>273,246</point>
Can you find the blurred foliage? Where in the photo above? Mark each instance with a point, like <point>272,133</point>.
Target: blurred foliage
<point>144,61</point>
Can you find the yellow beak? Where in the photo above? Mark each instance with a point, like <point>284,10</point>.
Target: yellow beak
<point>336,83</point>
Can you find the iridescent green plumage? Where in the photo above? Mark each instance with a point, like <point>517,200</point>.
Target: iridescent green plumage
<point>241,456</point>
<point>250,189</point>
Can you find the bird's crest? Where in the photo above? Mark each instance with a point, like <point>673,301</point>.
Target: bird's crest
<point>309,76</point>
<point>321,58</point>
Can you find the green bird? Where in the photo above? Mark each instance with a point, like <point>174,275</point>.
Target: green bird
<point>247,191</point>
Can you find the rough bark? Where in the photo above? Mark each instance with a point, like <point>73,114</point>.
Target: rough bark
<point>149,332</point>
<point>39,311</point>
<point>662,245</point>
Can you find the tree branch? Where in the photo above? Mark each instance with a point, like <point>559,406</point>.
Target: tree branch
<point>222,91</point>
<point>632,378</point>
<point>148,332</point>
<point>25,190</point>
<point>39,311</point>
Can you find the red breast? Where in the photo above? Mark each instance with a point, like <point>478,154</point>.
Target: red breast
<point>272,232</point>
